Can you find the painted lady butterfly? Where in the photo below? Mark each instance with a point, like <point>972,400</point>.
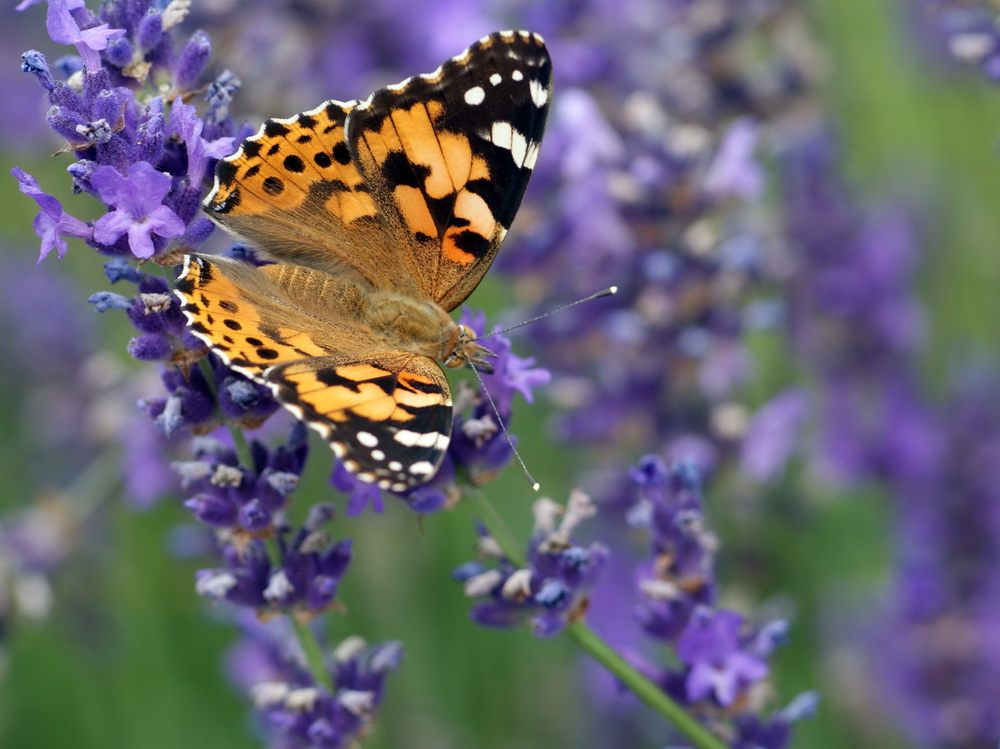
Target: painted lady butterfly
<point>383,215</point>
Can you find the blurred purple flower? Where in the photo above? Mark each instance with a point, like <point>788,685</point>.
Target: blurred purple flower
<point>298,713</point>
<point>711,647</point>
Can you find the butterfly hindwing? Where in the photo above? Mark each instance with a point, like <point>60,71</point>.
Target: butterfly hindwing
<point>255,318</point>
<point>448,155</point>
<point>387,416</point>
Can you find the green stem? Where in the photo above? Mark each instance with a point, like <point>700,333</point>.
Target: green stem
<point>588,641</point>
<point>497,527</point>
<point>314,653</point>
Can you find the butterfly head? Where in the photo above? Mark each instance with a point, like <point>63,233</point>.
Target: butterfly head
<point>461,349</point>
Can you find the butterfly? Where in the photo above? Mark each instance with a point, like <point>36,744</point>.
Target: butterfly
<point>382,216</point>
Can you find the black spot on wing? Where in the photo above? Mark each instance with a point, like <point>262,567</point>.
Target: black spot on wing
<point>473,243</point>
<point>274,129</point>
<point>251,148</point>
<point>341,153</point>
<point>294,164</point>
<point>225,171</point>
<point>399,170</point>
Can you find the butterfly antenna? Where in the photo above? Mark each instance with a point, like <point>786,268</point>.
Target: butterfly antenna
<point>606,292</point>
<point>531,479</point>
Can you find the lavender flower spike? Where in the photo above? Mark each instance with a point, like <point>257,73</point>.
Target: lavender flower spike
<point>139,210</point>
<point>551,588</point>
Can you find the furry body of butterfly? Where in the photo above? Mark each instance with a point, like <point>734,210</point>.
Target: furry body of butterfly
<point>383,215</point>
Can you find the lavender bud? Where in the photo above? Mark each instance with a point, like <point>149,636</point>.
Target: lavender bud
<point>34,62</point>
<point>192,60</point>
<point>119,52</point>
<point>212,510</point>
<point>105,300</point>
<point>152,347</point>
<point>150,31</point>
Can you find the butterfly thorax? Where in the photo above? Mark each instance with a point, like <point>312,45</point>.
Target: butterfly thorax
<point>423,327</point>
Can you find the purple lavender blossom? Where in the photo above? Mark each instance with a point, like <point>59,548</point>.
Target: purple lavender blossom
<point>64,28</point>
<point>139,211</point>
<point>723,662</point>
<point>713,649</point>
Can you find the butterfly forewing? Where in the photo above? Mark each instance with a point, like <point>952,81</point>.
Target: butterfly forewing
<point>294,192</point>
<point>448,156</point>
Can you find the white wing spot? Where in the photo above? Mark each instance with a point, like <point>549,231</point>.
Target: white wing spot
<point>495,79</point>
<point>367,439</point>
<point>395,465</point>
<point>422,468</point>
<point>416,439</point>
<point>532,156</point>
<point>539,94</point>
<point>500,134</point>
<point>475,95</point>
<point>378,455</point>
<point>503,135</point>
<point>517,75</point>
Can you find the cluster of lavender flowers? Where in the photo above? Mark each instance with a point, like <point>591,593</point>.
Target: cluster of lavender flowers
<point>549,589</point>
<point>144,153</point>
<point>649,183</point>
<point>859,333</point>
<point>722,661</point>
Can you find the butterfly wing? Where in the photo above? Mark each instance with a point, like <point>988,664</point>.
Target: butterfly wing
<point>386,413</point>
<point>254,318</point>
<point>293,192</point>
<point>387,416</point>
<point>448,156</point>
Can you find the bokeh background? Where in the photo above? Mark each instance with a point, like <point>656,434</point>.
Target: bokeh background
<point>124,654</point>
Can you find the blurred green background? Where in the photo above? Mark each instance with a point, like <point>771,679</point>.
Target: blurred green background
<point>129,658</point>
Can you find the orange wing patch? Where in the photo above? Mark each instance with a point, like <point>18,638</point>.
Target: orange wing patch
<point>289,162</point>
<point>363,391</point>
<point>387,416</point>
<point>220,313</point>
